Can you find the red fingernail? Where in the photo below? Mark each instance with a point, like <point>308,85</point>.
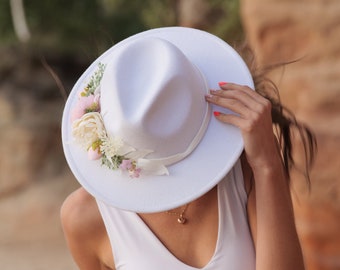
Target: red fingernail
<point>217,113</point>
<point>222,83</point>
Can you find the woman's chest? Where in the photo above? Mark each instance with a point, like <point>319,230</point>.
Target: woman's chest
<point>193,242</point>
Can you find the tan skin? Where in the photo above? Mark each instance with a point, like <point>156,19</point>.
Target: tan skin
<point>269,205</point>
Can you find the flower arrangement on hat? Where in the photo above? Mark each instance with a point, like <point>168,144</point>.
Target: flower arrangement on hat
<point>89,132</point>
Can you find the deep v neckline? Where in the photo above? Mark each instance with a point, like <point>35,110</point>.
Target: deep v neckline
<point>169,254</point>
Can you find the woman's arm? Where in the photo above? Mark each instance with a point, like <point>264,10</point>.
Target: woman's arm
<point>270,205</point>
<point>85,232</point>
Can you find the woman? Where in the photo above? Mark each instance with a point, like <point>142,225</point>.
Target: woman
<point>242,220</point>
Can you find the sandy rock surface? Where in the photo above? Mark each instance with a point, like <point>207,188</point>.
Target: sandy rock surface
<point>34,177</point>
<point>31,237</point>
<point>307,31</point>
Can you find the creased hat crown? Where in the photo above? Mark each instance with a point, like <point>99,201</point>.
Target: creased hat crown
<point>152,97</point>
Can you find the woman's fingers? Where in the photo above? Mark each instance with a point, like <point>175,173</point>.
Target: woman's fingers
<point>253,117</point>
<point>229,103</point>
<point>232,119</point>
<point>231,98</point>
<point>239,99</point>
<point>243,89</point>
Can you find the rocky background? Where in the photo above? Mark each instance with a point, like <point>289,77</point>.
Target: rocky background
<point>307,31</point>
<point>34,177</point>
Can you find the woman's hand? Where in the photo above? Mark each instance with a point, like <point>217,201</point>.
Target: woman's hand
<point>253,117</point>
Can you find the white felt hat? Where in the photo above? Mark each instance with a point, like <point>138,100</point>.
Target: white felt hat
<point>140,110</point>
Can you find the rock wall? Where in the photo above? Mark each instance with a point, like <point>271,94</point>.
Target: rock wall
<point>34,177</point>
<point>30,114</point>
<point>307,31</point>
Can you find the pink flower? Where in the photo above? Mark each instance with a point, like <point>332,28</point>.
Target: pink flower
<point>84,105</point>
<point>93,154</point>
<point>126,165</point>
<point>135,173</point>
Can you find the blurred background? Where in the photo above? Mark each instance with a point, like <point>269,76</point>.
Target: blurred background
<point>46,45</point>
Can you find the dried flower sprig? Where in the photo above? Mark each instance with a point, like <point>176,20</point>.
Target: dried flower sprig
<point>94,82</point>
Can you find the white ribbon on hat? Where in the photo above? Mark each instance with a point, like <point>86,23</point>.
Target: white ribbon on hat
<point>158,166</point>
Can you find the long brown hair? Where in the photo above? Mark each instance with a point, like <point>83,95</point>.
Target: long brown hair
<point>285,123</point>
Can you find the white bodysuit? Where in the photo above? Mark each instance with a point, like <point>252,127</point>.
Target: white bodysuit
<point>135,247</point>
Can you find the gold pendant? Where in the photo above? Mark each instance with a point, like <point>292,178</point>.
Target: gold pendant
<point>181,220</point>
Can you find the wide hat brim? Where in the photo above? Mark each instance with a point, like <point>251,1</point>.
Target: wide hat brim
<point>193,176</point>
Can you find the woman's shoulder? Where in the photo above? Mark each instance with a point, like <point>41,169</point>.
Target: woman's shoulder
<point>79,213</point>
<point>85,231</point>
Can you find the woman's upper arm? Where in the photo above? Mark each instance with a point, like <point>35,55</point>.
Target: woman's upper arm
<point>251,211</point>
<point>84,230</point>
<point>249,186</point>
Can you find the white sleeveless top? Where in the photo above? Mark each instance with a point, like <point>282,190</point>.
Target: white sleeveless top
<point>135,247</point>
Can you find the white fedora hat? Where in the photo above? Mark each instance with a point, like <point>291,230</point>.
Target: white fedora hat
<point>137,132</point>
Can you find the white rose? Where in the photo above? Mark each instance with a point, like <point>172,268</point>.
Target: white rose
<point>88,129</point>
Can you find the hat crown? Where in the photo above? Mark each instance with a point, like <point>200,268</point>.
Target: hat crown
<point>152,97</point>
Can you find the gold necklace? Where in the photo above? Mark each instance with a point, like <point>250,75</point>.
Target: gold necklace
<point>181,218</point>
